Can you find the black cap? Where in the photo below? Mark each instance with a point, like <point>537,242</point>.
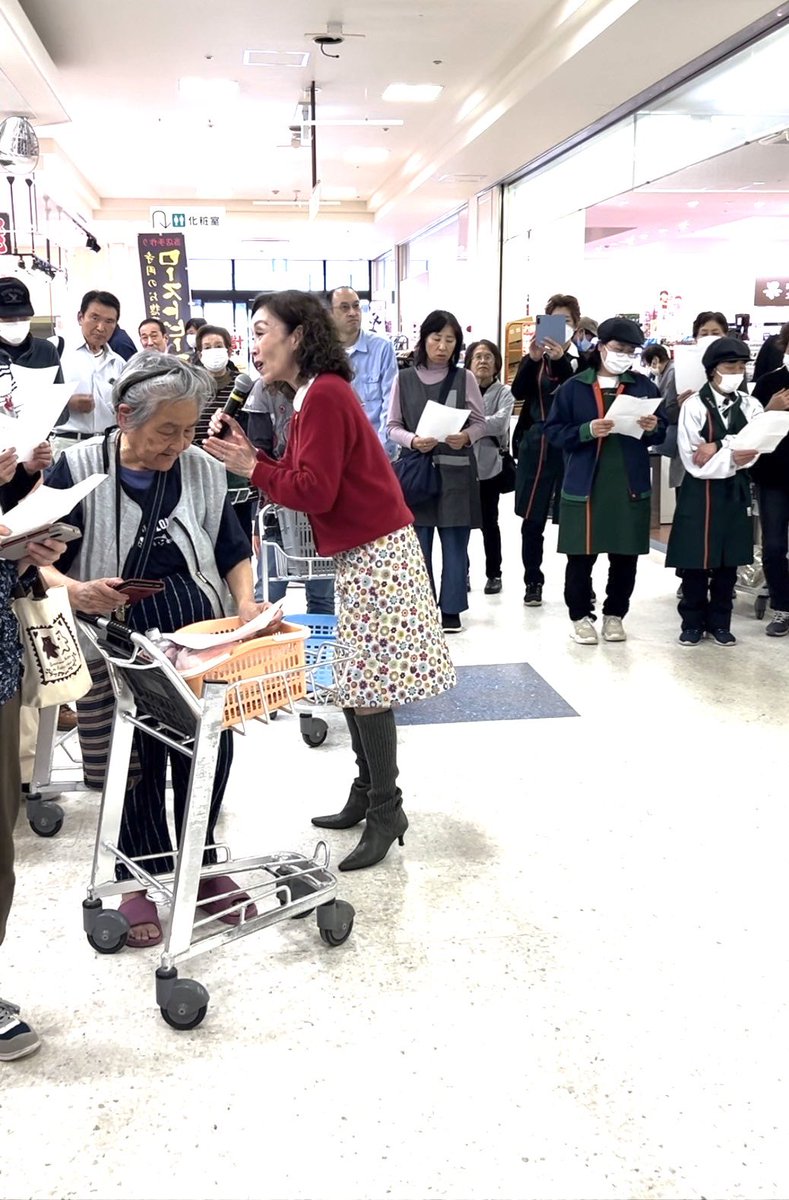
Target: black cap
<point>619,329</point>
<point>724,349</point>
<point>14,298</point>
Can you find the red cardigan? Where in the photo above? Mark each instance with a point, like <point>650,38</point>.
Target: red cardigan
<point>335,470</point>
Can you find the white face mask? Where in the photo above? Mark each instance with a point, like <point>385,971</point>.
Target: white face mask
<point>14,332</point>
<point>729,383</point>
<point>214,360</point>
<point>786,361</point>
<point>191,340</point>
<point>615,362</point>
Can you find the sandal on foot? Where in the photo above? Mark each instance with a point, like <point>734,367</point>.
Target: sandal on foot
<point>220,885</point>
<point>139,910</point>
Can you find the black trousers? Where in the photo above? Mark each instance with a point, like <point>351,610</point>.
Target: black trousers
<point>10,789</point>
<point>491,535</point>
<point>774,516</point>
<point>532,541</point>
<point>706,602</point>
<point>619,588</point>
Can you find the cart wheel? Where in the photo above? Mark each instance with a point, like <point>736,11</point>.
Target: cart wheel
<point>342,930</point>
<point>47,819</point>
<point>110,932</point>
<point>187,1005</point>
<point>319,731</point>
<point>760,607</point>
<point>273,716</point>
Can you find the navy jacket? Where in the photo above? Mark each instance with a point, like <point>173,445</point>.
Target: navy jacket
<point>574,408</point>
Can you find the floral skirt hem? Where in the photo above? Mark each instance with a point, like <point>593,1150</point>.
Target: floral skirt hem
<point>389,621</point>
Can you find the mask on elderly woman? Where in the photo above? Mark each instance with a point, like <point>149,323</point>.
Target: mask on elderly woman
<point>214,360</point>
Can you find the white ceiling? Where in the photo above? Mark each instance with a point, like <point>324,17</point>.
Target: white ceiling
<point>519,76</point>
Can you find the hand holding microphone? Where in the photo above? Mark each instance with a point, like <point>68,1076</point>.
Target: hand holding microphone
<point>233,405</point>
<point>227,441</point>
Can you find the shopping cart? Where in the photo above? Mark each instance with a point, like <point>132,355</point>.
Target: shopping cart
<point>288,534</point>
<point>151,696</point>
<point>751,580</point>
<point>51,779</point>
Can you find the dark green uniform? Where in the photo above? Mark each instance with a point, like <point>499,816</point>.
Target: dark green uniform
<point>611,521</point>
<point>713,525</point>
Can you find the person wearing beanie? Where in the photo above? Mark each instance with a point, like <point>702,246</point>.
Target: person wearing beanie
<point>606,492</point>
<point>712,532</point>
<point>538,478</point>
<point>18,347</point>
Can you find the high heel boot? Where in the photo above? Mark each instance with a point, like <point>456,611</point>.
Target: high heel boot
<point>386,820</point>
<point>358,798</point>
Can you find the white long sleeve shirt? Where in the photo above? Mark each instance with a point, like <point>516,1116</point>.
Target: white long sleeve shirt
<point>96,373</point>
<point>692,431</point>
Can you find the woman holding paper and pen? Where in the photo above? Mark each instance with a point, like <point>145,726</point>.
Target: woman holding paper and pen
<point>606,493</point>
<point>436,376</point>
<point>712,532</point>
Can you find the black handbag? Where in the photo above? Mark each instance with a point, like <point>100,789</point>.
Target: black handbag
<point>419,476</point>
<point>507,473</point>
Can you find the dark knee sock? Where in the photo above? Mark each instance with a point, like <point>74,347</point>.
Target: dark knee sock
<point>378,734</point>
<point>363,776</point>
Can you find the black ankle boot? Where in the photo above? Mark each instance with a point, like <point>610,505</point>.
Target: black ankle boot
<point>384,825</point>
<point>354,811</point>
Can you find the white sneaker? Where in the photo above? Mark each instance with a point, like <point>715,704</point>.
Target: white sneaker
<point>614,630</point>
<point>584,632</point>
<point>17,1037</point>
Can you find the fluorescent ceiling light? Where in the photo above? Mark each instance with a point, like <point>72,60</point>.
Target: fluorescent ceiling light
<point>293,203</point>
<point>191,87</point>
<point>276,58</point>
<point>366,155</point>
<point>379,122</point>
<point>412,93</point>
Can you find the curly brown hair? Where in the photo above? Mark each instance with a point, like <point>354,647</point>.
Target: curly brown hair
<point>320,351</point>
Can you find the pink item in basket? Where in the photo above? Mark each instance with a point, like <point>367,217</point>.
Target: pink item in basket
<point>196,662</point>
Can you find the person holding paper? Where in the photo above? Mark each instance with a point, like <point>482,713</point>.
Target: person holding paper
<point>18,347</point>
<point>538,478</point>
<point>771,475</point>
<point>605,505</point>
<point>335,469</point>
<point>435,376</point>
<point>163,515</point>
<point>712,532</point>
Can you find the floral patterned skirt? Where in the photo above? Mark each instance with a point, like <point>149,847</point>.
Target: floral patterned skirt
<point>388,618</point>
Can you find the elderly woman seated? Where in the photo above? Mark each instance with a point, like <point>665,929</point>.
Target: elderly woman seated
<point>163,514</point>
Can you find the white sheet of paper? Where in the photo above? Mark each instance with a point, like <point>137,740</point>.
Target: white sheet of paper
<point>33,378</point>
<point>626,410</point>
<point>38,413</point>
<point>763,433</point>
<point>46,505</point>
<point>689,374</point>
<point>207,641</point>
<point>438,421</point>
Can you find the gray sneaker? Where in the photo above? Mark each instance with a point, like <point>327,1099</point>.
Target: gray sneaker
<point>17,1038</point>
<point>779,626</point>
<point>584,632</point>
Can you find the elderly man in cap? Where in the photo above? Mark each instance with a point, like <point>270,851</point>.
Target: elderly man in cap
<point>712,531</point>
<point>17,344</point>
<point>606,493</point>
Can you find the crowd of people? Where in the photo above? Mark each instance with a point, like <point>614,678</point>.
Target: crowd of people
<point>334,429</point>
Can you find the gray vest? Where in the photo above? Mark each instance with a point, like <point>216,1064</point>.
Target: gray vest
<point>458,504</point>
<point>194,522</point>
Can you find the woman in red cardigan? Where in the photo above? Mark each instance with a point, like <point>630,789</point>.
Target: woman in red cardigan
<point>336,471</point>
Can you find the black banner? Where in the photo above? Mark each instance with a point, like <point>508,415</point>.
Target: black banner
<point>5,233</point>
<point>165,281</point>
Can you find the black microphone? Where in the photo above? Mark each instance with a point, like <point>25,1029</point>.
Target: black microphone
<point>236,400</point>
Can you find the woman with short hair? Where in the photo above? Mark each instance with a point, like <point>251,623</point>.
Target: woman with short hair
<point>162,514</point>
<point>483,359</point>
<point>213,348</point>
<point>335,469</point>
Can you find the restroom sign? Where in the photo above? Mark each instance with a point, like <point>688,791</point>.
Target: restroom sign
<point>187,219</point>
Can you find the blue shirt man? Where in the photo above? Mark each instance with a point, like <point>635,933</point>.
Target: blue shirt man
<point>372,358</point>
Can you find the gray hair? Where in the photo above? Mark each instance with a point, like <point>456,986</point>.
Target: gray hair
<point>151,380</point>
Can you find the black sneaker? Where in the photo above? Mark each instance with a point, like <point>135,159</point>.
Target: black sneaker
<point>493,585</point>
<point>723,637</point>
<point>779,626</point>
<point>690,637</point>
<point>532,597</point>
<point>450,623</point>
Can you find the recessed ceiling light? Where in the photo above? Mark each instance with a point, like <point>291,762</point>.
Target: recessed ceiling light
<point>693,203</point>
<point>413,93</point>
<point>276,58</point>
<point>192,87</point>
<point>758,183</point>
<point>366,155</point>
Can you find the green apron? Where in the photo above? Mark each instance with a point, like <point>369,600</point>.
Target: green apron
<point>611,521</point>
<point>713,523</point>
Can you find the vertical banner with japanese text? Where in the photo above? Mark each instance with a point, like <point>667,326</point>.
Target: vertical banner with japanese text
<point>165,281</point>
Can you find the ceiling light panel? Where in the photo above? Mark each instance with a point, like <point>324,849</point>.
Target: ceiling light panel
<point>276,58</point>
<point>412,93</point>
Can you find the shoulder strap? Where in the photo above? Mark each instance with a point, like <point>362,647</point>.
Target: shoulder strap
<point>446,385</point>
